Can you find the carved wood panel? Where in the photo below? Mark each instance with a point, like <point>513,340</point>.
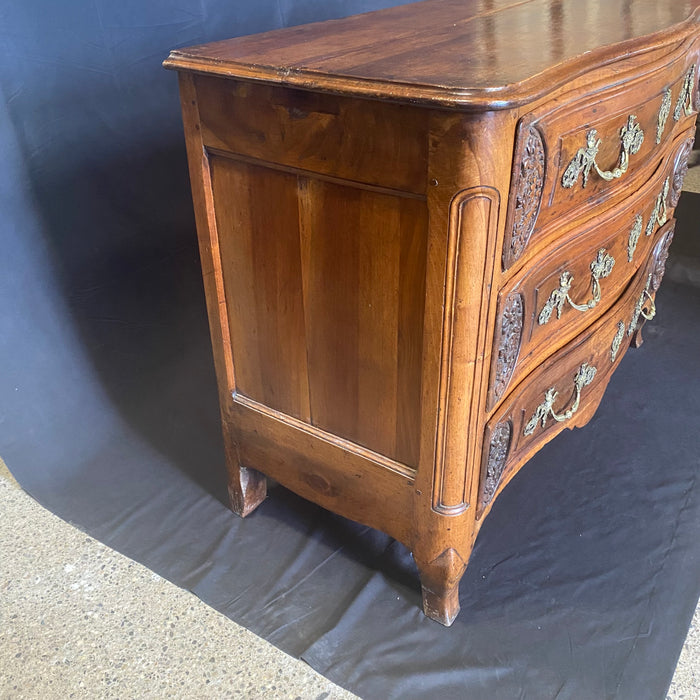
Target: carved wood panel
<point>611,141</point>
<point>680,169</point>
<point>661,257</point>
<point>495,462</point>
<point>511,334</point>
<point>526,188</point>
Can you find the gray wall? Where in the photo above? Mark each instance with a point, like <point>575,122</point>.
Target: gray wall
<point>99,276</point>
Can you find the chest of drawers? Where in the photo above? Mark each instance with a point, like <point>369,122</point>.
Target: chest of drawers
<point>428,236</point>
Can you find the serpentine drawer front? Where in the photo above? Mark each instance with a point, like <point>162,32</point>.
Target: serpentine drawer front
<point>427,240</point>
<point>565,389</point>
<point>575,281</point>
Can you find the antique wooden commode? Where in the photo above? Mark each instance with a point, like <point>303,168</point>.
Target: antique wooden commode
<point>428,236</point>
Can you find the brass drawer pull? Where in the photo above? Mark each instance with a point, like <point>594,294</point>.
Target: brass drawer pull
<point>660,213</point>
<point>635,233</point>
<point>601,267</point>
<point>584,376</point>
<point>617,341</point>
<point>631,138</point>
<point>639,309</point>
<point>649,315</point>
<point>684,105</point>
<point>664,111</point>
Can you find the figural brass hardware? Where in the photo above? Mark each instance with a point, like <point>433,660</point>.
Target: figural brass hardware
<point>648,315</point>
<point>659,215</point>
<point>664,111</point>
<point>617,341</point>
<point>639,309</point>
<point>584,376</point>
<point>631,138</point>
<point>684,105</point>
<point>634,237</point>
<point>601,267</point>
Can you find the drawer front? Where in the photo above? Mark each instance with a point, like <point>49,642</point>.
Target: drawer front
<point>552,300</point>
<point>564,391</point>
<point>574,160</point>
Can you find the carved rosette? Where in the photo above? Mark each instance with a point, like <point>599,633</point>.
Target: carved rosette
<point>661,258</point>
<point>509,344</point>
<point>680,169</point>
<point>496,460</point>
<point>527,194</point>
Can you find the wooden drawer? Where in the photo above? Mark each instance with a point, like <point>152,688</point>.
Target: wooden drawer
<point>573,160</point>
<point>548,303</point>
<point>359,140</point>
<point>566,389</point>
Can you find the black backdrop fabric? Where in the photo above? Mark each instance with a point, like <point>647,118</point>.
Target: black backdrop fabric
<point>586,573</point>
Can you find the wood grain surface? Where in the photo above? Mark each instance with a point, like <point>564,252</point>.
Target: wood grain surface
<point>473,53</point>
<point>408,300</point>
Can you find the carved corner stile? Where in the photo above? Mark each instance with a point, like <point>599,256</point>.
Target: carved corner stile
<point>460,368</point>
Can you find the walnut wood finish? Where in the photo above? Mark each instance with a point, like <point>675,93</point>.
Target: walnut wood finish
<point>624,236</point>
<point>563,125</point>
<point>602,346</point>
<point>475,54</point>
<point>385,206</point>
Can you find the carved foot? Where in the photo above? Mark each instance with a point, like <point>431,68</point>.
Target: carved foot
<point>441,607</point>
<point>246,490</point>
<point>440,583</point>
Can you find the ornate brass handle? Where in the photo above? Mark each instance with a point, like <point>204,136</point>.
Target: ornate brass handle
<point>617,341</point>
<point>648,315</point>
<point>684,105</point>
<point>584,376</point>
<point>633,239</point>
<point>639,309</point>
<point>664,111</point>
<point>631,138</point>
<point>601,267</point>
<point>659,215</point>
